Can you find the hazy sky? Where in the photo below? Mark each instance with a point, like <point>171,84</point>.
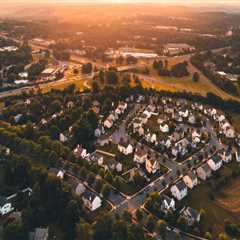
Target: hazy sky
<point>126,1</point>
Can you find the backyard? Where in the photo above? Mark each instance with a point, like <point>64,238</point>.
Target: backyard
<point>219,205</point>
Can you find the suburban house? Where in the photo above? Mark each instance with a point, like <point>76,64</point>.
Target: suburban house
<point>204,172</point>
<point>215,163</point>
<point>80,189</point>
<point>80,152</point>
<point>191,215</point>
<point>168,204</point>
<point>91,200</point>
<point>97,158</point>
<point>5,206</point>
<point>125,147</point>
<point>63,138</point>
<point>164,128</point>
<point>179,190</point>
<point>140,155</point>
<point>39,234</point>
<point>151,165</point>
<point>61,174</point>
<point>226,156</point>
<point>108,123</point>
<point>190,180</point>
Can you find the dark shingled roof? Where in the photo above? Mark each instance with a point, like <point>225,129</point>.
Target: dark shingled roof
<point>181,185</point>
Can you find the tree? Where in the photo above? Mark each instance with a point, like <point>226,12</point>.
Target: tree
<point>208,236</point>
<point>119,230</point>
<point>223,236</point>
<point>102,228</point>
<point>196,77</point>
<point>14,230</point>
<point>150,223</point>
<point>95,87</point>
<point>139,215</point>
<point>182,224</point>
<point>84,231</point>
<point>87,68</point>
<point>162,228</point>
<point>112,77</point>
<point>106,190</point>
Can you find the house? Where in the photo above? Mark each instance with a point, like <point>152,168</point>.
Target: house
<point>17,118</point>
<point>215,163</point>
<point>192,119</point>
<point>226,156</point>
<point>108,123</point>
<point>62,138</point>
<point>179,190</point>
<point>151,165</point>
<point>230,133</point>
<point>40,234</point>
<point>140,155</point>
<point>61,174</point>
<point>190,180</point>
<point>237,155</point>
<point>80,152</point>
<point>204,172</point>
<point>91,200</point>
<point>125,147</point>
<point>191,215</point>
<point>168,204</point>
<point>97,158</point>
<point>137,123</point>
<point>119,167</point>
<point>5,206</point>
<point>80,189</point>
<point>164,128</point>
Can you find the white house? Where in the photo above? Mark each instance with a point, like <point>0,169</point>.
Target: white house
<point>125,148</point>
<point>91,200</point>
<point>215,163</point>
<point>61,174</point>
<point>80,152</point>
<point>168,204</point>
<point>5,206</point>
<point>164,128</point>
<point>80,189</point>
<point>140,155</point>
<point>190,180</point>
<point>62,138</point>
<point>179,190</point>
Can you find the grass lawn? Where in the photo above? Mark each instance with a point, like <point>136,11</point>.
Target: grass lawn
<point>226,204</point>
<point>203,86</point>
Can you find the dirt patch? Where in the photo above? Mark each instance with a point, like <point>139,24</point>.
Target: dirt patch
<point>230,199</point>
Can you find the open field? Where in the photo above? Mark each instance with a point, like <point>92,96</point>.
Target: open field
<point>203,86</point>
<point>225,205</point>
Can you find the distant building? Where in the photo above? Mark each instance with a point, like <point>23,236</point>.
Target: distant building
<point>177,48</point>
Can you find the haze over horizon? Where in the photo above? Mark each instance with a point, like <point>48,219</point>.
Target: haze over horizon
<point>181,2</point>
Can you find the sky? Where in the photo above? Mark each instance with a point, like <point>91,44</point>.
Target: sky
<point>227,2</point>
